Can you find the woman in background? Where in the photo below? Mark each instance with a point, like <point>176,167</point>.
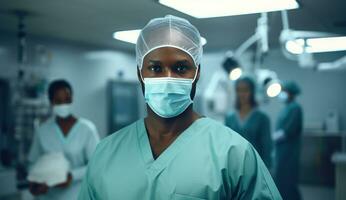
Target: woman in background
<point>249,121</point>
<point>75,137</point>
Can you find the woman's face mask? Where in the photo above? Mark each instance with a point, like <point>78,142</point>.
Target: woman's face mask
<point>62,110</point>
<point>62,101</point>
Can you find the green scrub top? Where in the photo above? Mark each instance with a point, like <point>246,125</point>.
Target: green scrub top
<point>287,150</point>
<point>206,161</point>
<point>255,128</point>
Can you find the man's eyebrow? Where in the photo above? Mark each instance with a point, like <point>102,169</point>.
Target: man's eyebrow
<point>183,62</point>
<point>155,62</point>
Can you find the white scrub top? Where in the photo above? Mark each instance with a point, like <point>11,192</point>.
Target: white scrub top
<point>206,161</point>
<point>77,147</point>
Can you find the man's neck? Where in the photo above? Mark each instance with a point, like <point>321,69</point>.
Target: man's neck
<point>159,127</point>
<point>162,132</point>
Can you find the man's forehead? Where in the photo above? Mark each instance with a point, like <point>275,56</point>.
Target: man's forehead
<point>168,54</point>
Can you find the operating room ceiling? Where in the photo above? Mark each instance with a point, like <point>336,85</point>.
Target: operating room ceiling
<point>93,21</point>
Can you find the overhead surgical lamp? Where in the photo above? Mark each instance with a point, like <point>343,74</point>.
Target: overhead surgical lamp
<point>273,89</point>
<point>235,74</point>
<point>316,45</point>
<point>232,67</point>
<point>269,82</point>
<point>301,45</point>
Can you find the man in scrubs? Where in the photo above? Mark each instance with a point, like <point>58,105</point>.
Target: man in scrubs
<point>65,133</point>
<point>174,153</point>
<point>287,139</point>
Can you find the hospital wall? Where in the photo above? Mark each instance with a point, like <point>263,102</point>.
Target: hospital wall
<point>89,68</point>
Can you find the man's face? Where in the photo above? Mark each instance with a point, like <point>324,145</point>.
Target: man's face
<point>169,62</point>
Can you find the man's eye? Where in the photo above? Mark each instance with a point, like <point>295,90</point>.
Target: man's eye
<point>181,68</point>
<point>155,68</point>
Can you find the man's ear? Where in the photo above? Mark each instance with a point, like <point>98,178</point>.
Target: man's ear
<point>139,75</point>
<point>194,85</point>
<point>198,72</point>
<point>140,79</point>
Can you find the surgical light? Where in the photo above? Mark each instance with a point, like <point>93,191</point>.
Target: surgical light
<point>273,89</point>
<point>235,74</point>
<point>131,36</point>
<point>221,8</point>
<point>316,45</point>
<point>268,82</point>
<point>295,46</point>
<point>232,67</point>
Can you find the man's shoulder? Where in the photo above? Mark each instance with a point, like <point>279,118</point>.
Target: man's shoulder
<point>109,147</point>
<point>224,142</point>
<point>115,139</point>
<point>221,133</point>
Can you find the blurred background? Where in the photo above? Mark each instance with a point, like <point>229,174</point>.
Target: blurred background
<point>85,43</point>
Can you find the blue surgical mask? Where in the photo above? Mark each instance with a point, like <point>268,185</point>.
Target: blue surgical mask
<point>168,97</point>
<point>283,96</point>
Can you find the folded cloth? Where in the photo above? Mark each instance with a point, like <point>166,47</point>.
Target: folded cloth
<point>51,169</point>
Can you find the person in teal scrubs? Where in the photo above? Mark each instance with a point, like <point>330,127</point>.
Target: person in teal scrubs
<point>75,137</point>
<point>249,121</point>
<point>287,142</point>
<point>174,153</point>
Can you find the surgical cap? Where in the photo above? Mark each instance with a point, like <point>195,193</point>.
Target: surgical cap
<point>291,87</point>
<point>169,31</point>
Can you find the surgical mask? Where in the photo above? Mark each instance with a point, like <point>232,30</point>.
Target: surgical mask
<point>62,110</point>
<point>168,97</point>
<point>283,96</point>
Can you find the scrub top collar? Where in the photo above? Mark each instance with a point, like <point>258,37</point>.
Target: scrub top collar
<point>161,162</point>
<point>64,139</point>
<point>242,122</point>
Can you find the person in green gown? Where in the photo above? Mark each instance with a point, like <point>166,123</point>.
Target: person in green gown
<point>249,121</point>
<point>287,139</point>
<point>174,153</point>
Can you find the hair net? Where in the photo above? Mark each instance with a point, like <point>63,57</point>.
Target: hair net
<point>169,31</point>
<point>291,87</point>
